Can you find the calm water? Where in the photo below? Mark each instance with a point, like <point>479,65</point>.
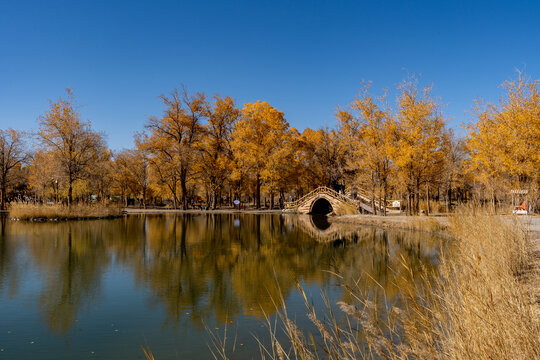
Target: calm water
<point>101,289</point>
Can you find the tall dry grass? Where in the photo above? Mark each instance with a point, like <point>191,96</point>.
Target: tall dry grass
<point>476,308</point>
<point>435,207</point>
<point>490,313</point>
<point>421,223</point>
<point>31,211</point>
<point>345,209</point>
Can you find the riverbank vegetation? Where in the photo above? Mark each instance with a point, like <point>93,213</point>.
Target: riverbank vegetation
<point>433,224</point>
<point>205,152</point>
<point>476,308</point>
<point>31,211</point>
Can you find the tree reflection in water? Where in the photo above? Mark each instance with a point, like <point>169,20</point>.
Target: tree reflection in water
<point>217,266</point>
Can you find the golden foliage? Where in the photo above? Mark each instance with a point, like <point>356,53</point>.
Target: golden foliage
<point>130,174</point>
<point>259,142</point>
<point>215,157</point>
<point>202,149</point>
<point>504,143</point>
<point>421,139</point>
<point>172,142</point>
<point>369,136</point>
<point>71,142</point>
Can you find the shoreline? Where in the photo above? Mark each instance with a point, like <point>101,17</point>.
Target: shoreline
<point>64,219</point>
<point>132,211</point>
<point>433,223</point>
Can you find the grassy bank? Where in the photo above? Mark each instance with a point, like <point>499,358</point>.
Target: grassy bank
<point>477,308</point>
<point>29,211</point>
<point>420,223</point>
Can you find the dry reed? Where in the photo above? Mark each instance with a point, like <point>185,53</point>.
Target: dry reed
<point>31,211</point>
<point>346,209</point>
<point>476,308</point>
<point>147,353</point>
<point>435,207</point>
<point>420,223</point>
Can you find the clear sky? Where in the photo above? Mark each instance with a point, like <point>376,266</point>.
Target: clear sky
<point>303,57</point>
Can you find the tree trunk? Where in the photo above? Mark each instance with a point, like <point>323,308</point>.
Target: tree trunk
<point>381,205</point>
<point>449,197</point>
<point>183,187</point>
<point>70,192</point>
<point>258,192</point>
<point>175,198</point>
<point>3,197</point>
<point>417,197</point>
<point>427,199</point>
<point>409,202</point>
<point>214,196</point>
<point>144,197</point>
<point>385,194</point>
<point>271,200</point>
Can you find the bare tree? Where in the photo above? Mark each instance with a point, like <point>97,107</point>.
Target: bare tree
<point>12,155</point>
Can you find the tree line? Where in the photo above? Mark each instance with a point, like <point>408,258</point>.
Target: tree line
<point>207,151</point>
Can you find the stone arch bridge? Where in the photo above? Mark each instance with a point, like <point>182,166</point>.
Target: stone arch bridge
<point>324,200</point>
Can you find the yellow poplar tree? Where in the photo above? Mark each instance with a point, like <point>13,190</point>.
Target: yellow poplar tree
<point>45,178</point>
<point>131,174</point>
<point>215,149</point>
<point>504,143</point>
<point>312,172</point>
<point>174,138</point>
<point>421,139</point>
<point>280,169</point>
<point>369,137</point>
<point>72,142</point>
<point>259,133</point>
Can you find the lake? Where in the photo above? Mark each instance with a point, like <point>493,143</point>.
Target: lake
<point>101,289</point>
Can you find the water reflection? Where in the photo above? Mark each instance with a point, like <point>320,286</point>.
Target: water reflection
<point>202,267</point>
<point>73,262</point>
<point>320,222</point>
<point>8,273</point>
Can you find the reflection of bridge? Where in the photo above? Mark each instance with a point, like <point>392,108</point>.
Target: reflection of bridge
<point>324,200</point>
<point>320,229</point>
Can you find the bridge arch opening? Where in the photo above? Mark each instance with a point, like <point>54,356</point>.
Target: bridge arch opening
<point>320,222</point>
<point>321,206</point>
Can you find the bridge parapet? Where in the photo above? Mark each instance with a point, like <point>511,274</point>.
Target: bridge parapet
<point>339,202</point>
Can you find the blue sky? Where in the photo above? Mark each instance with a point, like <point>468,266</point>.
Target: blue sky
<point>303,57</point>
